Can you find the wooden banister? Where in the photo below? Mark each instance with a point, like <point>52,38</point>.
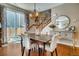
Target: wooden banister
<point>42,24</point>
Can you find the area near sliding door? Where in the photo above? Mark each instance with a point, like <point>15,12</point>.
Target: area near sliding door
<point>14,24</point>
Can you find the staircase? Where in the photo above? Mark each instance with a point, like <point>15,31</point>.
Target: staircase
<point>44,24</point>
<point>42,21</point>
<point>45,21</point>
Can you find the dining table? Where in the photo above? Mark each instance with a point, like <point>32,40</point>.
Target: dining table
<point>40,39</point>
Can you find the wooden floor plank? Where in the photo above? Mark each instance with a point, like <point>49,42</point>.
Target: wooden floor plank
<point>15,50</point>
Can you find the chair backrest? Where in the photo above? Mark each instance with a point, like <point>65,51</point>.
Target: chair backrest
<point>25,41</point>
<point>53,43</point>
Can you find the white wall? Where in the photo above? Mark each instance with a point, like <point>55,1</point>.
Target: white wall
<point>70,10</point>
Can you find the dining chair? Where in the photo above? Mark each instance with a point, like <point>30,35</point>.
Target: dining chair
<point>52,46</point>
<point>26,44</point>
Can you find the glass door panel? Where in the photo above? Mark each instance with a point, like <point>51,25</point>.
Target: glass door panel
<point>15,25</point>
<point>10,24</point>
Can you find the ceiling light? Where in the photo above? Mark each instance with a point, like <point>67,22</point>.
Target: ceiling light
<point>34,14</point>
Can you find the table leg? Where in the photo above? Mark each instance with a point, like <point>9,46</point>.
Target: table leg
<point>43,48</point>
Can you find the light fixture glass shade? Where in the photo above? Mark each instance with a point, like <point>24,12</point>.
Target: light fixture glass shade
<point>30,15</point>
<point>34,14</point>
<point>37,13</point>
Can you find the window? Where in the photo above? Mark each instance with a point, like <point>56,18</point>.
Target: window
<point>15,23</point>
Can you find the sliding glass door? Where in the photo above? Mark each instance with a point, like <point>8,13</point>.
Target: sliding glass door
<point>15,25</point>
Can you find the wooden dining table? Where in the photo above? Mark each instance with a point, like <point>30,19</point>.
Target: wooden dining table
<point>40,39</point>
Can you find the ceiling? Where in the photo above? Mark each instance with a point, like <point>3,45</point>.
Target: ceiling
<point>39,6</point>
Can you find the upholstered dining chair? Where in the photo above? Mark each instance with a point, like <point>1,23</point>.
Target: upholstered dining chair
<point>26,44</point>
<point>52,46</point>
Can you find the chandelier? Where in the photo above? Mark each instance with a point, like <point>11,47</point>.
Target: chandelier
<point>34,15</point>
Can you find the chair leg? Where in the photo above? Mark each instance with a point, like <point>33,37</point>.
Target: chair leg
<point>56,52</point>
<point>39,51</point>
<point>23,51</point>
<point>29,52</point>
<point>34,49</point>
<point>52,53</point>
<point>43,49</point>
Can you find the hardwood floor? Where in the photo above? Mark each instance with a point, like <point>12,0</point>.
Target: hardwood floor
<point>15,50</point>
